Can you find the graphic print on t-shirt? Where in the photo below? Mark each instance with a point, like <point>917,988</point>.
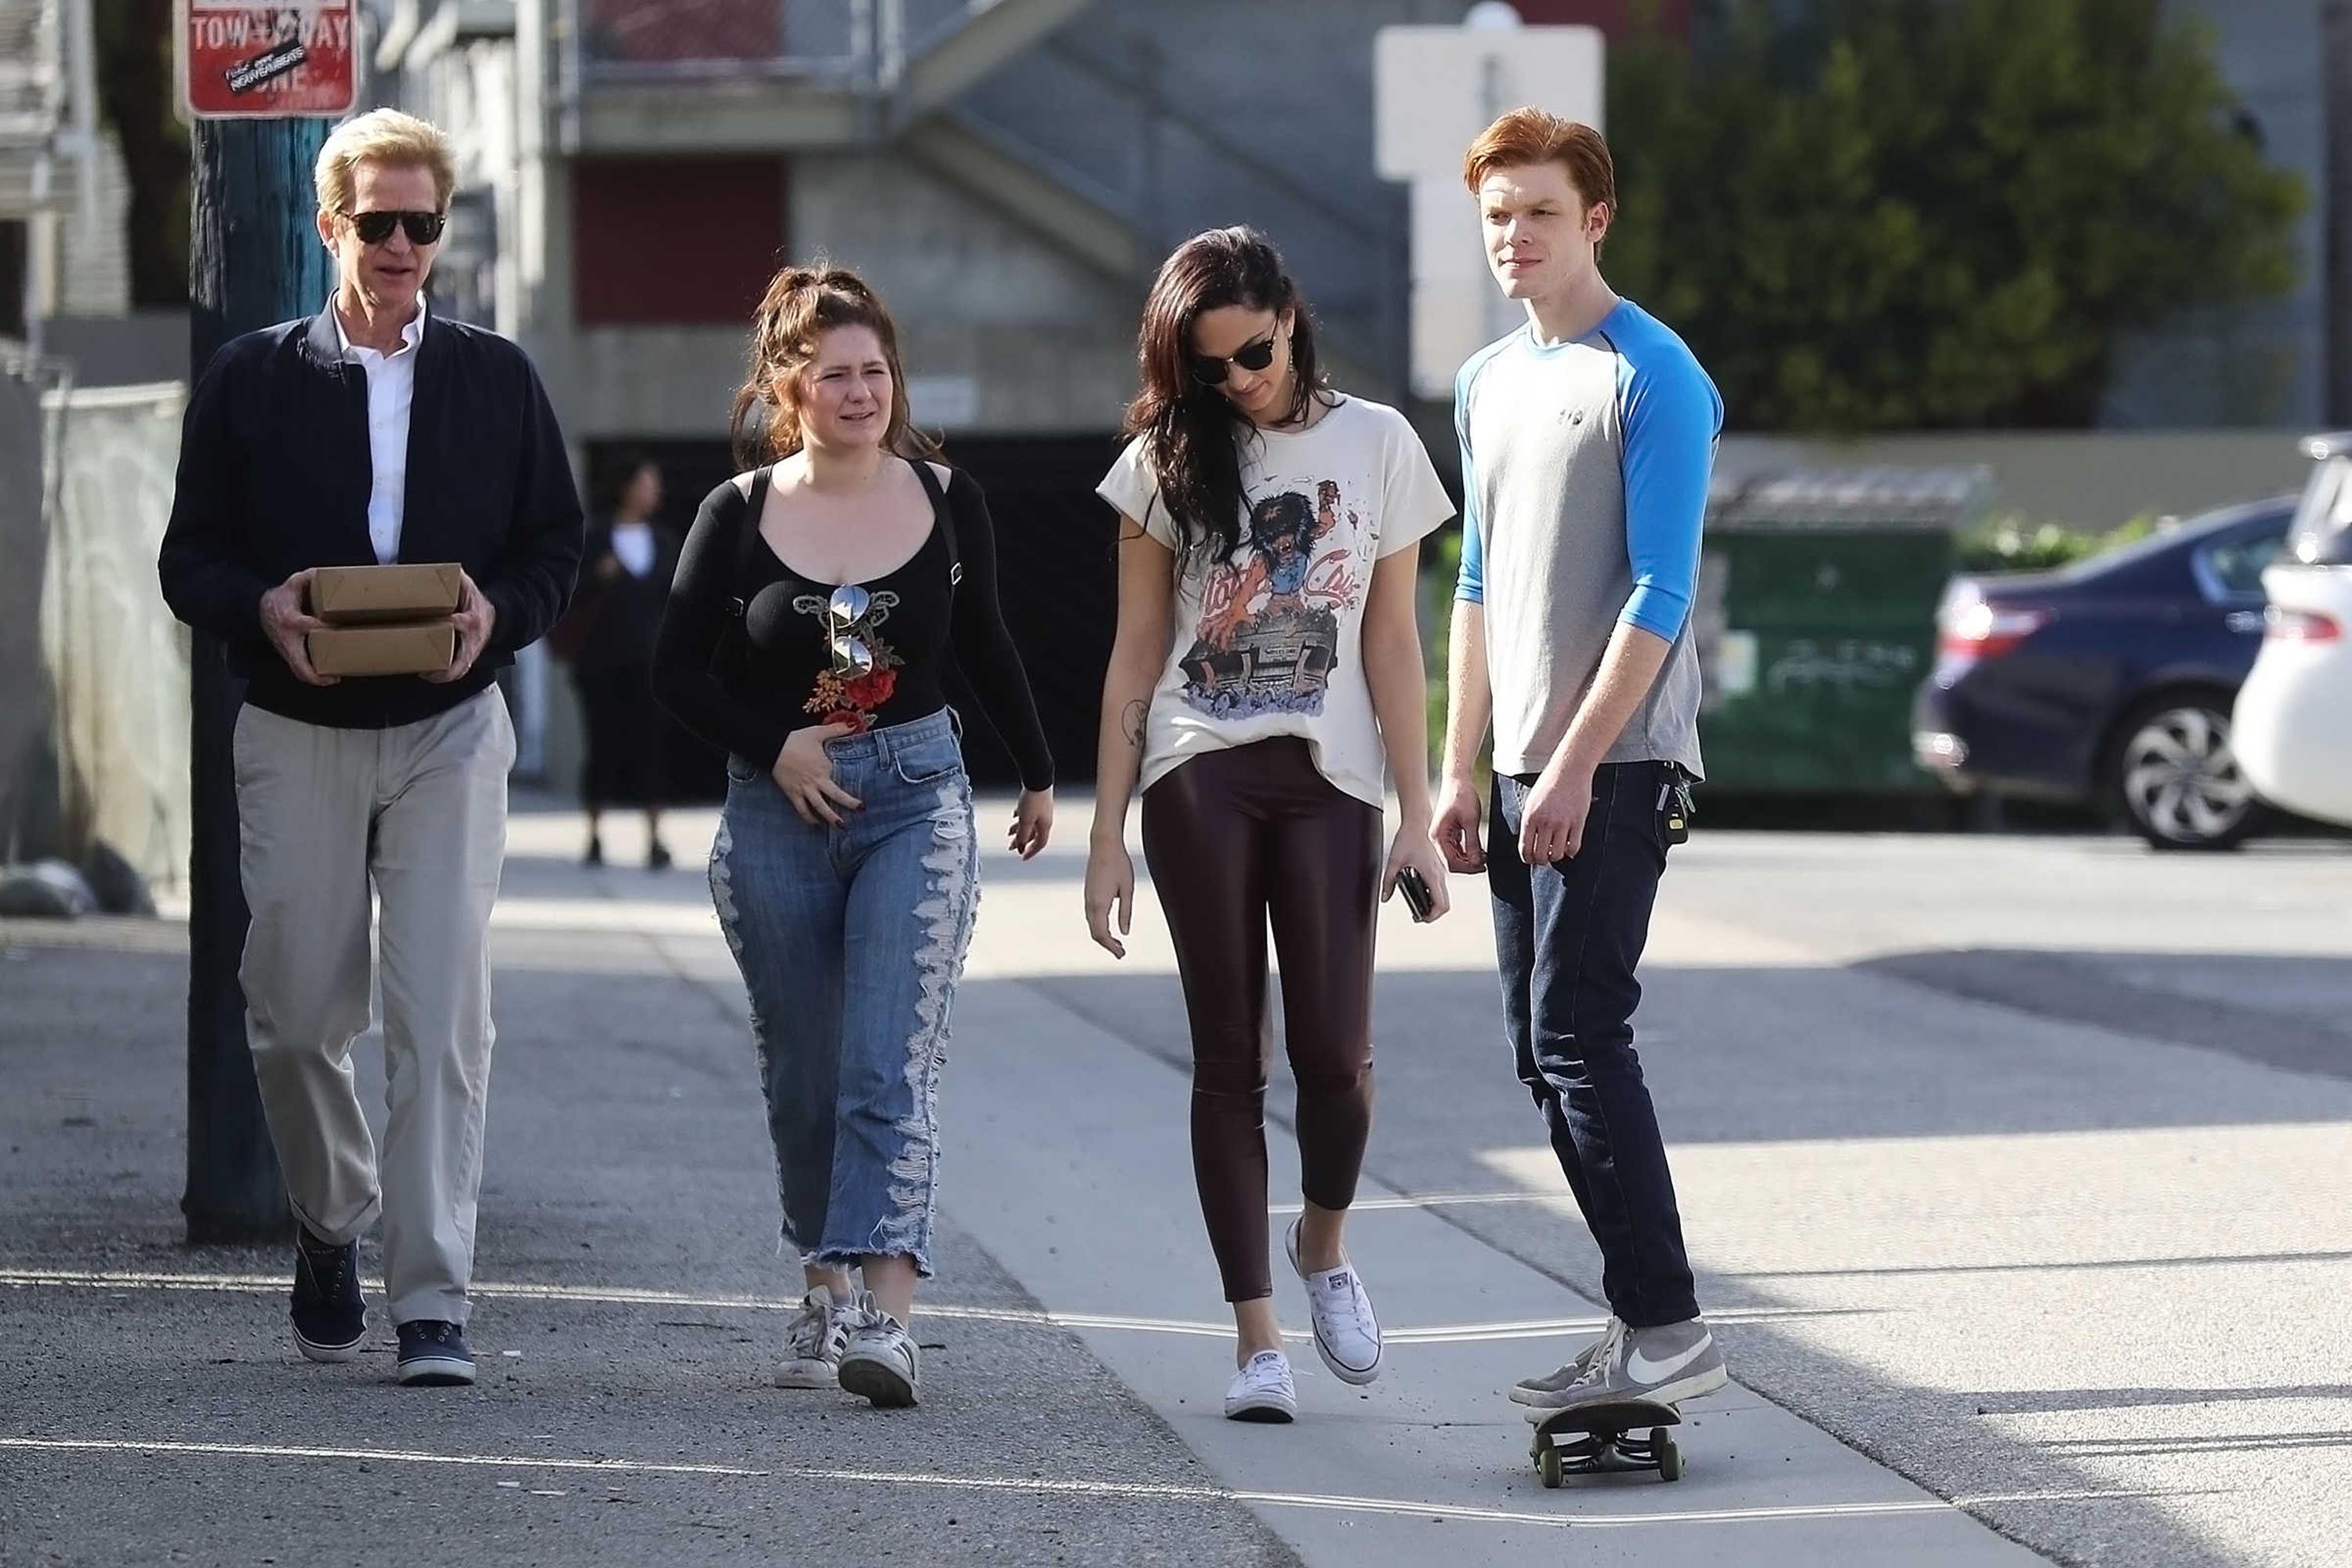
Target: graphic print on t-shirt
<point>1269,628</point>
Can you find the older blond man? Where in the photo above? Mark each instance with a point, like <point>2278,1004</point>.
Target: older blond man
<point>374,432</point>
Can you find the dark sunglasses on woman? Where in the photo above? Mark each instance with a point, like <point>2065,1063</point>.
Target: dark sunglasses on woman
<point>1211,370</point>
<point>375,227</point>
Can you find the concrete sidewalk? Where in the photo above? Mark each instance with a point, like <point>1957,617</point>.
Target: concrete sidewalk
<point>631,1300</point>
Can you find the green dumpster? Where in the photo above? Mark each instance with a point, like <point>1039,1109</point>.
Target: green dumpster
<point>1816,622</point>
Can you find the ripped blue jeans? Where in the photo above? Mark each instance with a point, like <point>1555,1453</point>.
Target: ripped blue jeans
<point>851,940</point>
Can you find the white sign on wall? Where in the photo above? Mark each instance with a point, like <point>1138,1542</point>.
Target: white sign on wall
<point>943,402</point>
<point>1434,90</point>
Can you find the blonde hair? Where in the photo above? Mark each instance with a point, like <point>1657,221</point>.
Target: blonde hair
<point>390,139</point>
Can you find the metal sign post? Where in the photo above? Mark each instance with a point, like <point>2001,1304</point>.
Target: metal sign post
<point>1434,90</point>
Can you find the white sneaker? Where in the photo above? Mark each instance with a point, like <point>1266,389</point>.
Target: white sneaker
<point>880,1362</point>
<point>1347,1334</point>
<point>1262,1390</point>
<point>814,1340</point>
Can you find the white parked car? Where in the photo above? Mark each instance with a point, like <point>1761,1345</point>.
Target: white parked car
<point>2293,727</point>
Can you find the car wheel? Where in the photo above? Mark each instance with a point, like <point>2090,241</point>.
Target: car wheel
<point>2177,779</point>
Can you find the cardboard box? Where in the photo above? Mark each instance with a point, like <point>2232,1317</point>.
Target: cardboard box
<point>423,648</point>
<point>382,596</point>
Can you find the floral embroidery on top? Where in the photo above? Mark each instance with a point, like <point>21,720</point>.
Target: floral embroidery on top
<point>847,696</point>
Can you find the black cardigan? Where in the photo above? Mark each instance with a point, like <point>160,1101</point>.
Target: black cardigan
<point>274,477</point>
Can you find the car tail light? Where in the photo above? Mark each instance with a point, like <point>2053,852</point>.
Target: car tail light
<point>2298,626</point>
<point>1976,630</point>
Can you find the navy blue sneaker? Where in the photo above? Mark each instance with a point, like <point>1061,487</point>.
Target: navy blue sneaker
<point>329,1318</point>
<point>433,1355</point>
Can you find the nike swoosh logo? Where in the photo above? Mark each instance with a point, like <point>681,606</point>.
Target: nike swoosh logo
<point>1642,1369</point>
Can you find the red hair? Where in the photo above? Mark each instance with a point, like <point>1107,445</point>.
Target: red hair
<point>1526,137</point>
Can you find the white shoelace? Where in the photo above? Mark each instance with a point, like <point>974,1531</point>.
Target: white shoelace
<point>1604,1357</point>
<point>1267,1371</point>
<point>811,1327</point>
<point>1343,1295</point>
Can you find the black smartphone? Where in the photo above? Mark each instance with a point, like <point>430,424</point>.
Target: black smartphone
<point>1415,892</point>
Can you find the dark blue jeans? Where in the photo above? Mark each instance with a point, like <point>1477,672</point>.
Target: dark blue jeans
<point>1569,937</point>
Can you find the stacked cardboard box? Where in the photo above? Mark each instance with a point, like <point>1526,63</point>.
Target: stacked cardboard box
<point>385,620</point>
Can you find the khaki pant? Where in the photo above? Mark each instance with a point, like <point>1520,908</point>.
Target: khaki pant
<point>420,811</point>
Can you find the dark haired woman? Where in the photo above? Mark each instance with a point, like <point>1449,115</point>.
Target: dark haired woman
<point>819,599</point>
<point>607,637</point>
<point>1266,676</point>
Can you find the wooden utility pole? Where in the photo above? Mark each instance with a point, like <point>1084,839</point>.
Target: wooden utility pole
<point>253,261</point>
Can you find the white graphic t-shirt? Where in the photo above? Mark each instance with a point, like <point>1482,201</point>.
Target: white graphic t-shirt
<point>1269,641</point>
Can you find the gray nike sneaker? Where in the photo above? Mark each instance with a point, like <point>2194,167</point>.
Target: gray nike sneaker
<point>1667,1365</point>
<point>1525,1391</point>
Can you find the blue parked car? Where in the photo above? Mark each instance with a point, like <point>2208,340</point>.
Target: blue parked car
<point>2110,681</point>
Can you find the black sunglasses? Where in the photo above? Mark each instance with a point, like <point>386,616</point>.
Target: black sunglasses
<point>375,228</point>
<point>1211,370</point>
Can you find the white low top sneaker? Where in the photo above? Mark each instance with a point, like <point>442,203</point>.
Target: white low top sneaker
<point>1262,1390</point>
<point>881,1362</point>
<point>814,1340</point>
<point>1346,1333</point>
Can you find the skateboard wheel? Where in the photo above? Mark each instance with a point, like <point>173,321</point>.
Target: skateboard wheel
<point>1547,1467</point>
<point>1670,1459</point>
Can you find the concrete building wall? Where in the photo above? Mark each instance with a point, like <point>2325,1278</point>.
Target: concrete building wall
<point>2258,364</point>
<point>1011,336</point>
<point>93,268</point>
<point>1040,342</point>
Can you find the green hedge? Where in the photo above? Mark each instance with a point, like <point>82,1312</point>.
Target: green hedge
<point>2012,544</point>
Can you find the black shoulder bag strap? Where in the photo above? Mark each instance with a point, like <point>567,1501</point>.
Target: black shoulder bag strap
<point>735,644</point>
<point>945,515</point>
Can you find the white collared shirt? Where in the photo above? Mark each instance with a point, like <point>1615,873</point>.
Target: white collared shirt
<point>391,392</point>
<point>633,542</point>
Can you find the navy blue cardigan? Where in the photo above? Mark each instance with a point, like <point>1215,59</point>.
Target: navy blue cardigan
<point>274,477</point>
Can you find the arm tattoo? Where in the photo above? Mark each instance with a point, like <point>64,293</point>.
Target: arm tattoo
<point>1132,728</point>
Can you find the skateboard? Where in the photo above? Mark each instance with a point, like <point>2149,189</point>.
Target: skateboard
<point>1596,1437</point>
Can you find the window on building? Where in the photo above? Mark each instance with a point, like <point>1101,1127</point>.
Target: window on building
<point>674,241</point>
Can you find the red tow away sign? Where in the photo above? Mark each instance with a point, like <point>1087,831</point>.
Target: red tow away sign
<point>246,61</point>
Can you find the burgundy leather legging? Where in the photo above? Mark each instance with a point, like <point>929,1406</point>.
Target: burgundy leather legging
<point>1232,837</point>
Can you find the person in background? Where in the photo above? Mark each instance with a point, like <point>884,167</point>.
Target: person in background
<point>820,599</point>
<point>608,638</point>
<point>374,432</point>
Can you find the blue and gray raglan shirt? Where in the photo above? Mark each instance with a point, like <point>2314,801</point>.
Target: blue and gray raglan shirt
<point>1584,479</point>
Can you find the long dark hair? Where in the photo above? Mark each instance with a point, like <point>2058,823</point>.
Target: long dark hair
<point>802,303</point>
<point>1191,433</point>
